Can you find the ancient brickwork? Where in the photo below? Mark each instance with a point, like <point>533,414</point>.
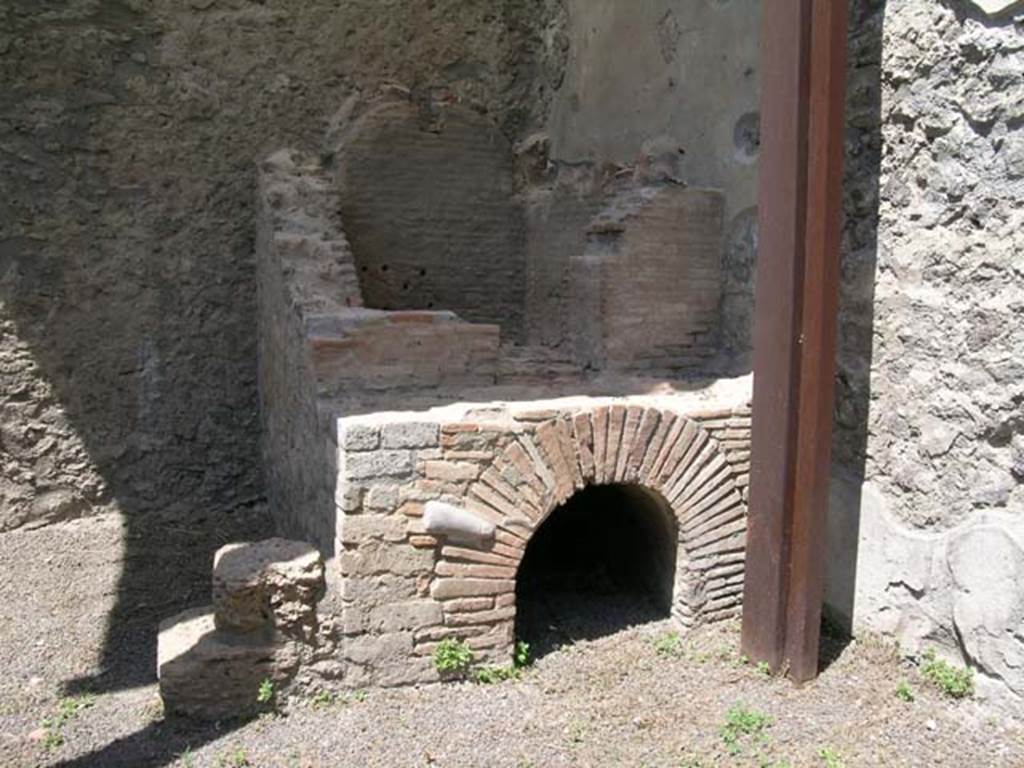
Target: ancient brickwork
<point>304,269</point>
<point>645,290</point>
<point>364,481</point>
<point>427,196</point>
<point>411,586</point>
<point>317,341</point>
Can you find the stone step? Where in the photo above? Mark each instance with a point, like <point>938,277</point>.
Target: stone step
<point>212,661</point>
<point>211,674</point>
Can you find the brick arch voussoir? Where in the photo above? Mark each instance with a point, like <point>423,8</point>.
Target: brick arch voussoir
<point>665,452</point>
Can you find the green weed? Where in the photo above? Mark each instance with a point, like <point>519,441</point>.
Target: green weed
<point>236,759</point>
<point>743,726</point>
<point>521,655</point>
<point>68,709</point>
<point>323,699</point>
<point>453,657</point>
<point>956,682</point>
<point>669,644</point>
<point>265,693</point>
<point>490,673</point>
<point>904,691</point>
<point>831,758</point>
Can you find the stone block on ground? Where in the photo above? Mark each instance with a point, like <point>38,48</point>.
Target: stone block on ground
<point>272,584</point>
<point>208,673</point>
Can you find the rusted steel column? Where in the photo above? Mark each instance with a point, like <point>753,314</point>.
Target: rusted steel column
<point>803,75</point>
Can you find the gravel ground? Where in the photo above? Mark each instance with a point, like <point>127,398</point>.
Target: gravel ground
<point>592,700</point>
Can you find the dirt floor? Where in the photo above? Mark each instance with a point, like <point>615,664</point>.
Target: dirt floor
<point>639,696</point>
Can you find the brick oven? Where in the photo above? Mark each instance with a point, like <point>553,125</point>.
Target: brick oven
<point>456,349</point>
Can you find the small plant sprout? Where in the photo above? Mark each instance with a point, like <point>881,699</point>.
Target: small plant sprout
<point>831,758</point>
<point>763,668</point>
<point>743,726</point>
<point>53,737</point>
<point>235,759</point>
<point>490,673</point>
<point>68,709</point>
<point>359,696</point>
<point>577,732</point>
<point>453,657</point>
<point>323,699</point>
<point>521,655</point>
<point>669,644</point>
<point>265,693</point>
<point>956,682</point>
<point>904,692</point>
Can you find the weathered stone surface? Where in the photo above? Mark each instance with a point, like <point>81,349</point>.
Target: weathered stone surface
<point>273,584</point>
<point>987,565</point>
<point>930,377</point>
<point>452,471</point>
<point>356,529</point>
<point>208,673</point>
<point>409,435</point>
<point>475,570</point>
<point>383,498</point>
<point>391,463</point>
<point>411,614</point>
<point>461,605</point>
<point>376,557</point>
<point>357,436</point>
<point>443,589</point>
<point>371,650</point>
<point>961,591</point>
<point>456,524</point>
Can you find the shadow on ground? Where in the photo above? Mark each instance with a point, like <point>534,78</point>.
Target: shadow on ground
<point>557,618</point>
<point>156,745</point>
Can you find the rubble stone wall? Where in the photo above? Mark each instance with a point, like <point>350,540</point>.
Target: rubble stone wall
<point>130,132</point>
<point>934,285</point>
<point>929,487</point>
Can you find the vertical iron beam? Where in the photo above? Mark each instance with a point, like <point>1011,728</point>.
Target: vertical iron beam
<point>796,295</point>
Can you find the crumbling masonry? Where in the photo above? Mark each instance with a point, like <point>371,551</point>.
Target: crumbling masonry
<point>420,443</point>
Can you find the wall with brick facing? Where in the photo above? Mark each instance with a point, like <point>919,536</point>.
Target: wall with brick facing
<point>511,466</point>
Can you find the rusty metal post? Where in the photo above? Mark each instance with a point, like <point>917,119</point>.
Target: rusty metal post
<point>800,198</point>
